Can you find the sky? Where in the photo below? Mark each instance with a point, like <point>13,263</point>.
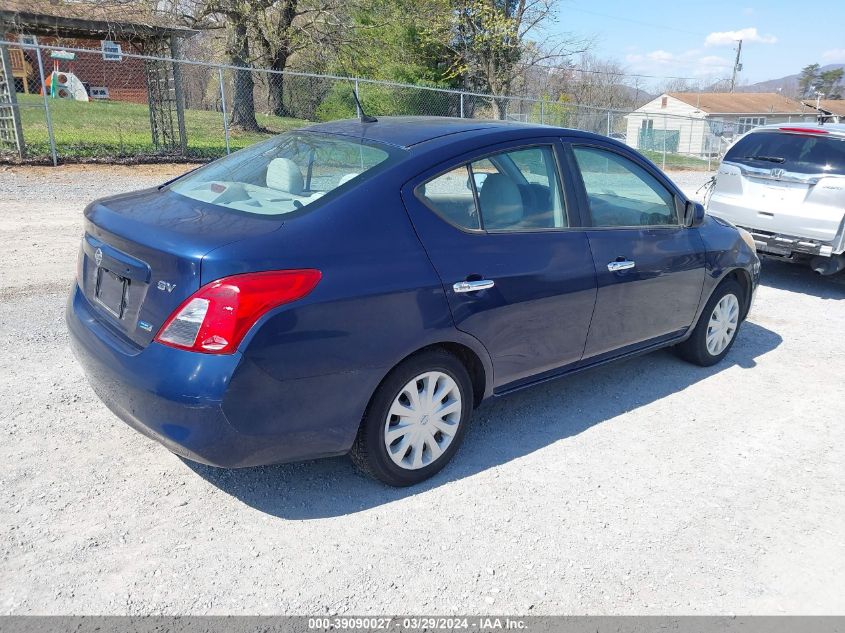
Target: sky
<point>696,39</point>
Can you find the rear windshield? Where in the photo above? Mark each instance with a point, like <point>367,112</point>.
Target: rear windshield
<point>799,153</point>
<point>283,174</point>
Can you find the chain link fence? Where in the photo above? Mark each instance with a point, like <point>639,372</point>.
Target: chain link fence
<point>77,105</point>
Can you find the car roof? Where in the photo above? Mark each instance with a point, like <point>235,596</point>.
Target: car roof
<point>831,128</point>
<point>407,131</point>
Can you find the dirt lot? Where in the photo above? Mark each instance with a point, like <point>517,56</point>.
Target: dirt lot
<point>648,487</point>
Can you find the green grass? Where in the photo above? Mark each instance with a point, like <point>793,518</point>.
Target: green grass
<point>677,161</point>
<point>117,130</point>
<point>113,129</point>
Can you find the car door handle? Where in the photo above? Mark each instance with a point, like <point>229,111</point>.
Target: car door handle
<point>615,267</point>
<point>473,286</point>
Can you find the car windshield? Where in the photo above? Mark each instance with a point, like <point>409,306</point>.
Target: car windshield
<point>797,153</point>
<point>283,174</point>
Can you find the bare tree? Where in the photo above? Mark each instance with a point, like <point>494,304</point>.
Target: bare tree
<point>679,84</point>
<point>491,43</point>
<point>601,82</point>
<point>236,17</point>
<point>287,28</point>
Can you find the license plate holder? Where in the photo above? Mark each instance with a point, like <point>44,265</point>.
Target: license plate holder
<point>111,291</point>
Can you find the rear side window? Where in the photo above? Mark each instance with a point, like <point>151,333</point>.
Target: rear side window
<point>797,153</point>
<point>519,190</point>
<point>451,196</point>
<point>509,191</point>
<point>621,193</point>
<point>283,174</point>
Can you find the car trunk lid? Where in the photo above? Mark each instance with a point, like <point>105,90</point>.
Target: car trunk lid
<point>781,202</point>
<point>788,181</point>
<point>141,255</point>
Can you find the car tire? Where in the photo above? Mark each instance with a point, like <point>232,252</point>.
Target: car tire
<point>416,419</point>
<point>717,327</point>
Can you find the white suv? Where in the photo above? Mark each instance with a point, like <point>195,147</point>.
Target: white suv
<point>785,184</point>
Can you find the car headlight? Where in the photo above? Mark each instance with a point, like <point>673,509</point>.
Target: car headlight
<point>747,238</point>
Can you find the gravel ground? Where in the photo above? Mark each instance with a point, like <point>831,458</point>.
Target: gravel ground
<point>683,490</point>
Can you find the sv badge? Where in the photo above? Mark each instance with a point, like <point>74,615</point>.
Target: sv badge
<point>165,285</point>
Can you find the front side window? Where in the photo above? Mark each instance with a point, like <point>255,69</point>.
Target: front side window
<point>621,193</point>
<point>282,175</point>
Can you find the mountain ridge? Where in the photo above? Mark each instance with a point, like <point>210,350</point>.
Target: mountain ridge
<point>786,85</point>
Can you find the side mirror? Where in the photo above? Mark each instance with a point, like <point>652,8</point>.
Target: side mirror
<point>693,214</point>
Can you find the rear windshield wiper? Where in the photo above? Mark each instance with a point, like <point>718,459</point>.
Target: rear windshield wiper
<point>769,159</point>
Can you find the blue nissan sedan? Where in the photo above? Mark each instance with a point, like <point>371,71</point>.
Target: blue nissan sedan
<point>361,286</point>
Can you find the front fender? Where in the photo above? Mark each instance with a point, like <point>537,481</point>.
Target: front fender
<point>725,253</point>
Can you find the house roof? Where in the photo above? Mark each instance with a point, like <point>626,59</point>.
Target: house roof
<point>740,102</point>
<point>832,106</point>
<point>80,18</point>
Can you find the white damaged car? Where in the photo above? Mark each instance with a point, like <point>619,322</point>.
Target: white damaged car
<point>785,184</point>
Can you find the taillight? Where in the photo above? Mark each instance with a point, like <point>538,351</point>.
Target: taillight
<point>216,317</point>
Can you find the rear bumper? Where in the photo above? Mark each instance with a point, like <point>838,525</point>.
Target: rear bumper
<point>787,245</point>
<point>215,409</point>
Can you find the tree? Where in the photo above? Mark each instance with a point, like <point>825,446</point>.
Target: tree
<point>807,80</point>
<point>390,40</point>
<point>600,82</point>
<point>829,83</point>
<point>489,42</point>
<point>236,17</point>
<point>288,27</point>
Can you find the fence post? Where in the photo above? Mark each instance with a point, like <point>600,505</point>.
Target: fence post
<point>43,89</point>
<point>691,126</point>
<point>223,106</point>
<point>357,100</point>
<point>175,54</point>
<point>709,148</point>
<point>542,111</point>
<point>664,143</point>
<point>462,104</point>
<point>608,122</point>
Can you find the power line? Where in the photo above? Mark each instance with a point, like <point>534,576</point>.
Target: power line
<point>662,27</point>
<point>616,73</point>
<point>641,23</point>
<point>626,74</point>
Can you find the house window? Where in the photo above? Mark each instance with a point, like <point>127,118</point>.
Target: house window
<point>28,40</point>
<point>648,124</point>
<point>747,123</point>
<point>111,51</point>
<point>664,102</point>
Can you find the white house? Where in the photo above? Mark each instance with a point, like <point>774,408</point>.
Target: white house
<point>702,124</point>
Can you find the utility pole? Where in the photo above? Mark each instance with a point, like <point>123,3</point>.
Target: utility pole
<point>737,65</point>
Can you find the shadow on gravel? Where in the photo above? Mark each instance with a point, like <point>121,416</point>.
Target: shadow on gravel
<point>502,430</point>
<point>802,279</point>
